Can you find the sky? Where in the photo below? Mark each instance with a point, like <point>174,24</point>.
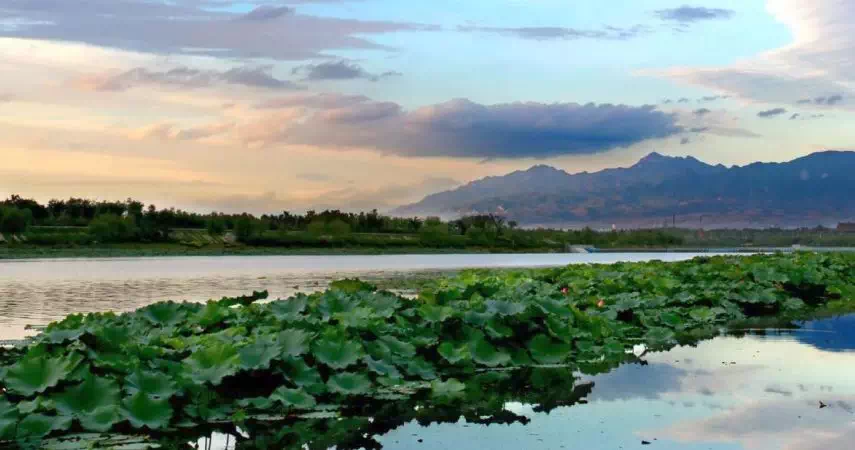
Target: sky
<point>271,105</point>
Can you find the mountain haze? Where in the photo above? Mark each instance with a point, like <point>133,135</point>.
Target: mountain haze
<point>807,191</point>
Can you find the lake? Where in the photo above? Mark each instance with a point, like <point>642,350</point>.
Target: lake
<point>39,291</point>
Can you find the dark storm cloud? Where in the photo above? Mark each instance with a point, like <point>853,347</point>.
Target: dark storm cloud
<point>688,14</point>
<point>339,70</point>
<point>701,112</point>
<point>462,128</point>
<point>185,77</point>
<point>560,33</point>
<point>187,27</point>
<point>771,112</point>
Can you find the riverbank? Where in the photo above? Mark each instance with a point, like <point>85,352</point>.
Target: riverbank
<point>161,250</point>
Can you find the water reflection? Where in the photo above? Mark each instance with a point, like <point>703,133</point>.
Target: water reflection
<point>758,391</point>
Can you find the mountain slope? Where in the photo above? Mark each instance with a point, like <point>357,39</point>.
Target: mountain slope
<point>815,188</point>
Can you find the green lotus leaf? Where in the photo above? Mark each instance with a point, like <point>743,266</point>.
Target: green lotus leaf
<point>476,318</point>
<point>349,384</point>
<point>660,337</point>
<point>59,336</point>
<point>212,363</point>
<point>627,302</point>
<point>394,346</point>
<point>435,314</point>
<point>213,313</point>
<point>382,367</point>
<point>36,426</point>
<point>384,305</point>
<point>165,314</point>
<point>352,286</point>
<point>418,367</point>
<point>454,352</point>
<point>547,351</point>
<point>672,319</point>
<point>294,342</point>
<point>289,310</point>
<point>89,400</point>
<point>794,304</point>
<point>704,314</point>
<point>335,302</point>
<point>101,419</point>
<point>497,330</point>
<point>143,411</point>
<point>337,352</point>
<point>154,384</point>
<point>554,307</point>
<point>304,376</point>
<point>485,354</point>
<point>293,398</point>
<point>8,420</point>
<point>36,372</point>
<point>259,354</point>
<point>503,308</point>
<point>447,388</point>
<point>256,402</point>
<point>355,318</point>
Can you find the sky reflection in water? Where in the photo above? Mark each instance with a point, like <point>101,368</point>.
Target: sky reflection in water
<point>753,393</point>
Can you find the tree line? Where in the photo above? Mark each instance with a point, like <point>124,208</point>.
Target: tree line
<point>61,222</point>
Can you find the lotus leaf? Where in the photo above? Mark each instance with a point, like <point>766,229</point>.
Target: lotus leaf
<point>337,352</point>
<point>293,398</point>
<point>547,351</point>
<point>349,384</point>
<point>36,372</point>
<point>146,412</point>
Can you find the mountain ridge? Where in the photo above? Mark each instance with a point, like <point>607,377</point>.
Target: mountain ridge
<point>812,188</point>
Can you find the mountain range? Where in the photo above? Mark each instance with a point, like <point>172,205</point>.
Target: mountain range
<point>818,189</point>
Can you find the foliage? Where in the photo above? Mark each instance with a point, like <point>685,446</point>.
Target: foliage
<point>112,228</point>
<point>14,220</point>
<point>314,360</point>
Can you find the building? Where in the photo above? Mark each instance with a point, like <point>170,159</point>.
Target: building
<point>846,227</point>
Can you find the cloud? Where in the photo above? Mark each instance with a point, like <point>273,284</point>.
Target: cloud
<point>795,116</point>
<point>462,128</point>
<point>818,61</point>
<point>338,70</point>
<point>701,112</point>
<point>265,12</point>
<point>685,141</point>
<point>193,28</point>
<point>185,77</point>
<point>686,14</point>
<point>771,112</point>
<point>6,98</point>
<point>172,132</point>
<point>830,100</point>
<point>560,33</point>
<point>311,100</point>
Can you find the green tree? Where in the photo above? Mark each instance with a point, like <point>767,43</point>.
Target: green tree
<point>215,226</point>
<point>113,228</point>
<point>14,220</point>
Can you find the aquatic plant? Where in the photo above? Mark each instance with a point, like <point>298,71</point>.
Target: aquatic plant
<point>464,347</point>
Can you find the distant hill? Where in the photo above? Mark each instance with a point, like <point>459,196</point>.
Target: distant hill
<point>815,189</point>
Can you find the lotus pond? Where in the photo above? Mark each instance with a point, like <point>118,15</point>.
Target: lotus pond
<point>596,356</point>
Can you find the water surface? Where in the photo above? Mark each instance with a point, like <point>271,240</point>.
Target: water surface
<point>39,291</point>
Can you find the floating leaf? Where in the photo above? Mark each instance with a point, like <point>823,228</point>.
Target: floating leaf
<point>94,402</point>
<point>337,353</point>
<point>260,353</point>
<point>546,351</point>
<point>349,384</point>
<point>660,337</point>
<point>145,412</point>
<point>418,367</point>
<point>212,363</point>
<point>35,426</point>
<point>289,310</point>
<point>154,384</point>
<point>164,314</point>
<point>502,308</point>
<point>293,398</point>
<point>485,354</point>
<point>36,372</point>
<point>435,314</point>
<point>382,368</point>
<point>397,346</point>
<point>447,388</point>
<point>454,352</point>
